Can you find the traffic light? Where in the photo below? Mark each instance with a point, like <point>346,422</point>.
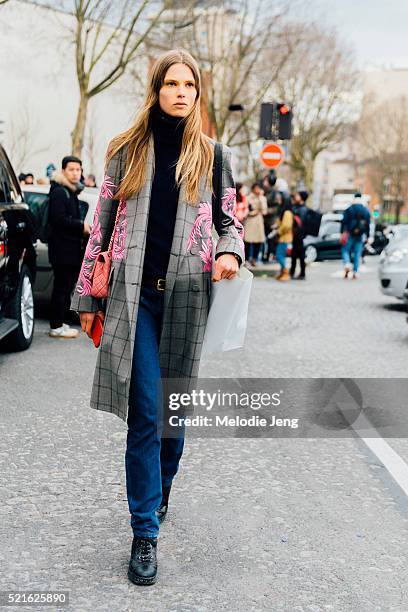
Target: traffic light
<point>265,128</point>
<point>285,115</point>
<point>276,121</point>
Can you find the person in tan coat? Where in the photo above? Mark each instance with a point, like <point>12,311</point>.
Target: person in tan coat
<point>254,231</point>
<point>285,237</point>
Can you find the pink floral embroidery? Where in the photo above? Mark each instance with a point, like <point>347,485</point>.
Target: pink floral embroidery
<point>119,240</point>
<point>229,200</point>
<point>204,217</point>
<point>229,204</point>
<point>206,254</point>
<point>107,187</point>
<point>93,248</point>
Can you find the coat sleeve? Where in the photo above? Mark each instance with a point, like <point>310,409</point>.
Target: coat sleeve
<point>229,228</point>
<point>59,216</point>
<point>82,300</point>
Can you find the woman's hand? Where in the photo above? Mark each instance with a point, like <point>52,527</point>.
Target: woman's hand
<point>87,320</point>
<point>226,266</point>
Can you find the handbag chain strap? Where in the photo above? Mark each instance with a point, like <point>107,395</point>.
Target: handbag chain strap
<point>117,175</point>
<point>114,229</point>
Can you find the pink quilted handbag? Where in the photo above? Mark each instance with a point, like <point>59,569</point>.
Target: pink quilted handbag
<point>102,268</point>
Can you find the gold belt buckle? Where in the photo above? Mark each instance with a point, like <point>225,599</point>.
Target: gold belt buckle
<point>159,287</point>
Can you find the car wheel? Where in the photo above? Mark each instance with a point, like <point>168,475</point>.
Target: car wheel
<point>21,308</point>
<point>310,254</point>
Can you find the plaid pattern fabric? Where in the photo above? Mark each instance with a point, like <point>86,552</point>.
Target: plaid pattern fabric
<point>187,292</point>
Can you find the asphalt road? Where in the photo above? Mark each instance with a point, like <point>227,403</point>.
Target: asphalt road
<point>254,524</point>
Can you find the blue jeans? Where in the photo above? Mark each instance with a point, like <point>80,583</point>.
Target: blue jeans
<point>281,249</point>
<point>354,246</point>
<point>151,462</point>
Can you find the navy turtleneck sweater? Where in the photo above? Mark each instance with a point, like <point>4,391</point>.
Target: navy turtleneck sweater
<point>167,135</point>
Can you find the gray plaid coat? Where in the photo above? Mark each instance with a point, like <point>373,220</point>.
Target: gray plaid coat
<point>188,279</point>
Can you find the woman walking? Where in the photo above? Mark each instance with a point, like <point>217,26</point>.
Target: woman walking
<point>254,223</point>
<point>159,176</point>
<point>285,238</point>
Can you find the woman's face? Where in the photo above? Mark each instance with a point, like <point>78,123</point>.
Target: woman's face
<point>178,92</point>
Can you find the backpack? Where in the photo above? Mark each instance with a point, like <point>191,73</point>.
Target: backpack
<point>42,217</point>
<point>312,221</point>
<point>359,225</point>
<point>297,226</point>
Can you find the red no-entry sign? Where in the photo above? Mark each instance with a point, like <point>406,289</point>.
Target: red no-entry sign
<point>272,155</point>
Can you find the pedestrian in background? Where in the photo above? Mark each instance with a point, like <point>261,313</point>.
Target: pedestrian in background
<point>26,179</point>
<point>273,201</point>
<point>299,211</point>
<point>242,203</point>
<point>90,180</point>
<point>65,251</point>
<point>355,228</point>
<point>158,182</point>
<point>284,227</point>
<point>254,225</point>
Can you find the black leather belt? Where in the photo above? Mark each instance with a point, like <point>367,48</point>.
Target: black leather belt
<point>155,283</point>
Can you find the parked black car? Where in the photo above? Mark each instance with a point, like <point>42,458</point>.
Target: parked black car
<point>327,244</point>
<point>17,262</point>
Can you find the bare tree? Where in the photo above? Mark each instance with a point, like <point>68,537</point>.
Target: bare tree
<point>91,142</point>
<point>319,81</point>
<point>21,137</point>
<point>3,2</point>
<point>384,151</point>
<point>108,37</point>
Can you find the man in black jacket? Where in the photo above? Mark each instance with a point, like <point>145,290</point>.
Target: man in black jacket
<point>298,249</point>
<point>65,243</point>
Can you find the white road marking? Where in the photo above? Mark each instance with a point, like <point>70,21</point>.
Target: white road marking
<point>390,459</point>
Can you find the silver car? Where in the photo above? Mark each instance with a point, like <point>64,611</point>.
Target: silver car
<point>35,196</point>
<point>393,267</point>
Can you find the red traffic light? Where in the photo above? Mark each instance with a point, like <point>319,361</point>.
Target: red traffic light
<point>284,110</point>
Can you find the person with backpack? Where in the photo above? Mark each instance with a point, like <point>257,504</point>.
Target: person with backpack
<point>299,211</point>
<point>65,234</point>
<point>355,228</point>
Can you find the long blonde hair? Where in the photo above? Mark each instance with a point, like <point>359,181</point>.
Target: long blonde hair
<point>197,154</point>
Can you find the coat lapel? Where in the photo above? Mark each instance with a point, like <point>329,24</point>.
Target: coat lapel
<point>137,213</point>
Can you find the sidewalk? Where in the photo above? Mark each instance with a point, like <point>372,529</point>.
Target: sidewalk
<point>264,269</point>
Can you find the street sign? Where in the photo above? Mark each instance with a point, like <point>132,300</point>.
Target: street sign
<point>272,155</point>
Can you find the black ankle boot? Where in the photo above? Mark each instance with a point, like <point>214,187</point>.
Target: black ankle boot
<point>143,561</point>
<point>162,509</point>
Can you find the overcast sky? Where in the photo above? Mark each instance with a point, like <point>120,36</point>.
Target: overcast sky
<point>378,29</point>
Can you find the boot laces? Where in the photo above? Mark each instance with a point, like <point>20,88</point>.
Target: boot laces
<point>145,551</point>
